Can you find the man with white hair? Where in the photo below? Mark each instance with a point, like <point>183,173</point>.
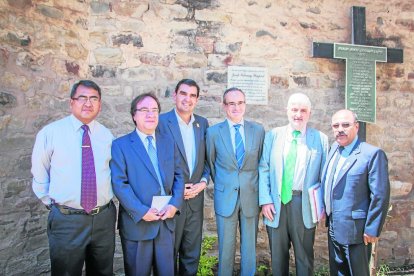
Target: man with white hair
<point>292,160</point>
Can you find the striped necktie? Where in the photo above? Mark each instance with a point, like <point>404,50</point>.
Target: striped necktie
<point>239,145</point>
<point>152,153</point>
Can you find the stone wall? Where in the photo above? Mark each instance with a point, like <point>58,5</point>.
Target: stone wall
<point>131,47</point>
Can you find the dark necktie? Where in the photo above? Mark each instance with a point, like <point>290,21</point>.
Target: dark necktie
<point>289,169</point>
<point>88,187</point>
<point>239,145</point>
<point>328,197</point>
<point>152,153</point>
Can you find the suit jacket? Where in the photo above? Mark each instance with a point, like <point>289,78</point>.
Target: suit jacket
<point>360,195</point>
<point>134,182</point>
<point>271,170</point>
<point>228,178</point>
<point>168,123</point>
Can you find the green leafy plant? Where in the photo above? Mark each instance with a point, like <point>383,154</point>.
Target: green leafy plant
<point>383,270</point>
<point>207,263</point>
<point>322,271</point>
<point>262,270</point>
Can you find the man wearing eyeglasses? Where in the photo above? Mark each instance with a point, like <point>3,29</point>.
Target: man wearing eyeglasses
<point>71,176</point>
<point>188,131</point>
<point>234,148</point>
<point>292,160</point>
<point>145,167</point>
<point>357,191</point>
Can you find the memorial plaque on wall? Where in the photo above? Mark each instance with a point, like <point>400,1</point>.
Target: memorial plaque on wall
<point>253,81</point>
<point>361,77</point>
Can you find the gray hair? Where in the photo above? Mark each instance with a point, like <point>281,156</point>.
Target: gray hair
<point>299,98</point>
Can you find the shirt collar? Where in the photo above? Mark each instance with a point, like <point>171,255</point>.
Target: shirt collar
<point>181,121</point>
<point>290,131</point>
<point>348,149</point>
<point>231,124</point>
<point>143,136</point>
<point>78,124</point>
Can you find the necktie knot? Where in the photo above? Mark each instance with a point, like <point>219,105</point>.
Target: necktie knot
<point>237,127</point>
<point>296,133</point>
<point>340,149</point>
<point>85,127</point>
<point>149,138</point>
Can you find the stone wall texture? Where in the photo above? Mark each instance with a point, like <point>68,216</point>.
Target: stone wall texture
<point>131,47</point>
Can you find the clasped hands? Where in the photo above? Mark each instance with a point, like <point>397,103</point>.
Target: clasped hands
<point>167,212</point>
<point>192,190</point>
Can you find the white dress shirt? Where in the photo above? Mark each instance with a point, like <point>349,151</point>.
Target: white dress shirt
<point>301,157</point>
<point>187,134</point>
<point>57,162</point>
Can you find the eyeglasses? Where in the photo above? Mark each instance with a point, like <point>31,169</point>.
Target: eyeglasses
<point>233,104</point>
<point>147,111</point>
<point>343,125</point>
<point>84,99</point>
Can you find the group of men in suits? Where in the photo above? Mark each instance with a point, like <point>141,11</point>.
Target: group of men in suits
<point>172,156</point>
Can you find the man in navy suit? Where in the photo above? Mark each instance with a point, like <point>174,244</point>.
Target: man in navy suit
<point>356,195</point>
<point>234,148</point>
<point>146,164</point>
<point>188,130</point>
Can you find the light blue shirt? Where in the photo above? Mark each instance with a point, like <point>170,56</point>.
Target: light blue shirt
<point>57,162</point>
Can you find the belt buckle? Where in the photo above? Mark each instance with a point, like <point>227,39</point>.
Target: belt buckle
<point>95,211</point>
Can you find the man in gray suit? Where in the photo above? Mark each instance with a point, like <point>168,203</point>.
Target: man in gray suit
<point>292,160</point>
<point>234,148</point>
<point>188,131</point>
<point>357,195</point>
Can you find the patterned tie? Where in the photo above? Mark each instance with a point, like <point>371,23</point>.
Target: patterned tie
<point>328,194</point>
<point>88,186</point>
<point>289,170</point>
<point>239,145</point>
<point>152,153</point>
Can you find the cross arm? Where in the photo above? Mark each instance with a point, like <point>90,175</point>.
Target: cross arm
<point>325,50</point>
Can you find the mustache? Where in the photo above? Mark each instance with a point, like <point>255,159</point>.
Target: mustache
<point>341,133</point>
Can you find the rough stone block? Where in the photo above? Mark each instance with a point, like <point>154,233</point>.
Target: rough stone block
<point>216,76</point>
<point>399,188</point>
<point>108,56</point>
<point>136,40</point>
<point>99,7</point>
<point>100,71</point>
<point>49,11</point>
<point>190,60</point>
<point>76,51</point>
<point>155,59</point>
<point>138,74</point>
<point>7,100</point>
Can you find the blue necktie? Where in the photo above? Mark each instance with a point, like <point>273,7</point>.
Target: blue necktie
<point>239,146</point>
<point>152,153</point>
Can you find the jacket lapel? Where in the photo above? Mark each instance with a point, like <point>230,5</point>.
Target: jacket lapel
<point>141,152</point>
<point>349,162</point>
<point>197,137</point>
<point>278,154</point>
<point>225,136</point>
<point>175,130</point>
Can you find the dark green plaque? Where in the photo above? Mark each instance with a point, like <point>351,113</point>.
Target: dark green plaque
<point>361,77</point>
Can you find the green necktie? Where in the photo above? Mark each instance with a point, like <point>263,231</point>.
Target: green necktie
<point>289,169</point>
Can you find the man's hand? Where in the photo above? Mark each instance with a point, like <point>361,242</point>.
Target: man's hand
<point>151,215</point>
<point>369,239</point>
<point>192,190</point>
<point>168,212</point>
<point>268,211</point>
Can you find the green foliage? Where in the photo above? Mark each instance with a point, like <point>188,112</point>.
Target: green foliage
<point>207,263</point>
<point>262,270</point>
<point>322,271</point>
<point>383,270</point>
